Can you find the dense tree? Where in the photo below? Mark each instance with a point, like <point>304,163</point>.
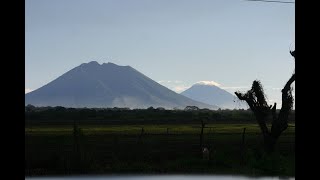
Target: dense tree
<point>191,108</point>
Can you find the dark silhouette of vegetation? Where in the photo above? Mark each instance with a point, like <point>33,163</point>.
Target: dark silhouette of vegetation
<point>61,115</point>
<point>191,108</point>
<point>258,104</point>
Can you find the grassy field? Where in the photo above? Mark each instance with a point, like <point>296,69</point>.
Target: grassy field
<point>164,148</point>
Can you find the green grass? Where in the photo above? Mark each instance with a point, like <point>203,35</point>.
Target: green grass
<point>49,149</point>
<point>152,129</point>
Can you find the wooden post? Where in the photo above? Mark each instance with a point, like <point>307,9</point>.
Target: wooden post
<point>212,135</point>
<point>201,135</point>
<point>243,146</point>
<point>75,137</point>
<point>243,133</point>
<point>76,158</point>
<point>141,133</point>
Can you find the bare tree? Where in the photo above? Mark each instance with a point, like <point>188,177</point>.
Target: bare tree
<point>258,104</point>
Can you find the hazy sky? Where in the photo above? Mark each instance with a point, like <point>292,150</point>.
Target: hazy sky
<point>174,42</point>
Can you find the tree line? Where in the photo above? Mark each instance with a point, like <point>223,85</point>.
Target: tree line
<point>149,115</point>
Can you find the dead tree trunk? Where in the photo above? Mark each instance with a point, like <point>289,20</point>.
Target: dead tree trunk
<point>258,104</point>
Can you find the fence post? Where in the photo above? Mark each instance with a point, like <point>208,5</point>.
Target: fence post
<point>201,134</point>
<point>243,146</point>
<point>243,133</point>
<point>141,133</point>
<point>213,135</point>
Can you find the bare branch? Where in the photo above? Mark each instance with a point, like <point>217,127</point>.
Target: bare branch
<point>288,84</point>
<point>274,113</point>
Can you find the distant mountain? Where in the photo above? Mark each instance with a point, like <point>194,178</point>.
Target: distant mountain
<point>213,95</point>
<point>107,85</point>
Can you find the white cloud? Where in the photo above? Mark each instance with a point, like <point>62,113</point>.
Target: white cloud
<point>236,87</point>
<point>169,81</point>
<point>179,89</point>
<point>248,88</point>
<point>175,85</point>
<point>177,81</point>
<point>276,89</point>
<point>208,83</point>
<point>27,90</point>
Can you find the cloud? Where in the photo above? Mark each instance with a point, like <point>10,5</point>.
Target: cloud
<point>170,81</point>
<point>276,89</point>
<point>175,85</point>
<point>208,83</point>
<point>163,81</point>
<point>236,87</point>
<point>27,90</point>
<point>248,88</point>
<point>179,89</point>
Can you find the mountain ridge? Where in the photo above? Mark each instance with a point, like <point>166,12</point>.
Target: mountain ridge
<point>213,95</point>
<point>107,85</point>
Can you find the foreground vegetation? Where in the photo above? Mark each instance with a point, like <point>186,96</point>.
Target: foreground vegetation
<point>135,145</point>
